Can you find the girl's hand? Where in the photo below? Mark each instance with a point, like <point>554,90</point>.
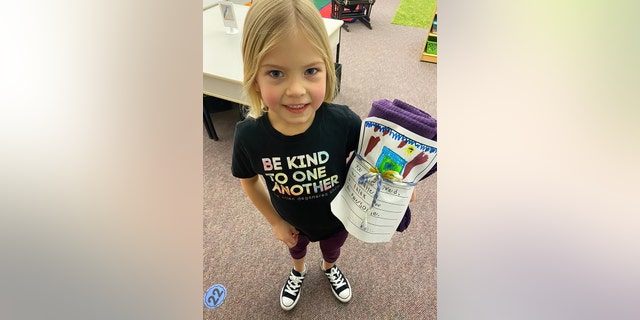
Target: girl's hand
<point>286,233</point>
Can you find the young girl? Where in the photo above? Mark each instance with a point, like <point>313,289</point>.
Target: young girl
<point>294,137</point>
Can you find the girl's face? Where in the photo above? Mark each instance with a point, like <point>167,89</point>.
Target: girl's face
<point>292,81</point>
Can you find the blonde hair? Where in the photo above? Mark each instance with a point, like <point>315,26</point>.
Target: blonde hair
<point>269,21</point>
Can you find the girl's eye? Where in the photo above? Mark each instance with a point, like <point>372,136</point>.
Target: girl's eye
<point>275,73</point>
<point>311,71</point>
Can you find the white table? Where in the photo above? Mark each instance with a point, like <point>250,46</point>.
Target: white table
<point>222,53</point>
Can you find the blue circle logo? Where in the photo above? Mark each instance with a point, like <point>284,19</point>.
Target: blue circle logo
<point>214,297</point>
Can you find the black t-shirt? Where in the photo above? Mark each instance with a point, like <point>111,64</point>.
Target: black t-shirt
<point>303,172</point>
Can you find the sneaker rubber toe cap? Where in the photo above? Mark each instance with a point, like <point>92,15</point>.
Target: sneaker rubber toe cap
<point>287,303</point>
<point>345,294</point>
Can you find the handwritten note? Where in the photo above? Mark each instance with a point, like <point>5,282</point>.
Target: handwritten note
<point>390,161</point>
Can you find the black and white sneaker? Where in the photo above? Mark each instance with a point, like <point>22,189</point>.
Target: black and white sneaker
<point>339,284</point>
<point>290,293</point>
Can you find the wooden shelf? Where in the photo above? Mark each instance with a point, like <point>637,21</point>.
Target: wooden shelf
<point>430,50</point>
<point>429,57</point>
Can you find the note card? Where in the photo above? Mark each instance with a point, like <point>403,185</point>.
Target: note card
<point>390,160</point>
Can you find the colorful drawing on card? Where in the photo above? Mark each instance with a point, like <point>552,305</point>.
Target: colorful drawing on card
<point>390,160</point>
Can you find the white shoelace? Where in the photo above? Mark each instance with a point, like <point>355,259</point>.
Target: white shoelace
<point>293,285</point>
<point>336,279</point>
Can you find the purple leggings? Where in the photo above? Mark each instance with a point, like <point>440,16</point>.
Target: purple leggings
<point>330,247</point>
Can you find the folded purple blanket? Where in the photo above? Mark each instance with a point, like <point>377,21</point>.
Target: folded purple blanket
<point>412,119</point>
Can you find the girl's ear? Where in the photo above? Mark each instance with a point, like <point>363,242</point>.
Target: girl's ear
<point>256,86</point>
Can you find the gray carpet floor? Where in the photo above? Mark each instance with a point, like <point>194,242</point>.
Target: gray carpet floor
<point>394,280</point>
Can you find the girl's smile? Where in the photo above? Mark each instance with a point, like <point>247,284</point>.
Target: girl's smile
<point>297,108</point>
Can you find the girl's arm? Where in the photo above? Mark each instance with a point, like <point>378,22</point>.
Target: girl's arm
<point>258,194</point>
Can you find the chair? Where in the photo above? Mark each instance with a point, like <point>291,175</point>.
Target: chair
<point>352,9</point>
<point>212,105</point>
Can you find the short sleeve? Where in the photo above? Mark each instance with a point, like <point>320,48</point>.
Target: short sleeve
<point>354,123</point>
<point>240,160</point>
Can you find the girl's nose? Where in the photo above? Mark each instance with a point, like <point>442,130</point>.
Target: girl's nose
<point>295,88</point>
